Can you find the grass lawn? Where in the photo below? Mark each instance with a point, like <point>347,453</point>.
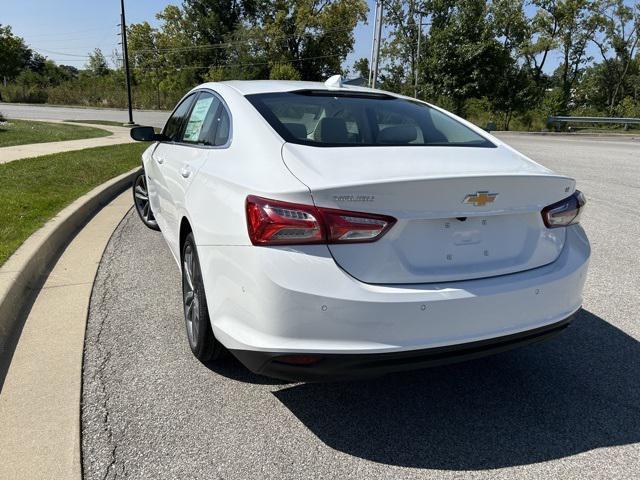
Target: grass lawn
<point>21,132</point>
<point>33,190</point>
<point>99,122</point>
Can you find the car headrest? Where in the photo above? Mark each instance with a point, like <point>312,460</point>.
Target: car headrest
<point>398,134</point>
<point>331,130</point>
<point>298,130</point>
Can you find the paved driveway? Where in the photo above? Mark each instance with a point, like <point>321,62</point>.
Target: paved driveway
<point>568,408</point>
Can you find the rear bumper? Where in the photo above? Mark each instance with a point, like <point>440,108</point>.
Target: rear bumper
<point>350,366</point>
<point>293,300</point>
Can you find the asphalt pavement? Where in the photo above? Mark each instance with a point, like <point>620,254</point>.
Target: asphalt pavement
<point>153,118</point>
<point>567,408</point>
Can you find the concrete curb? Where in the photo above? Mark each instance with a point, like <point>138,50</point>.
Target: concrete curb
<point>25,271</point>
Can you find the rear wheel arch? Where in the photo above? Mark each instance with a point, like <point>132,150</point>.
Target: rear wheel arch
<point>185,229</point>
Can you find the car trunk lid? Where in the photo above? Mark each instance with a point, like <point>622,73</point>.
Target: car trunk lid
<point>462,212</point>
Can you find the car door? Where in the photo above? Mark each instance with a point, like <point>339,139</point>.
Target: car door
<point>155,169</point>
<point>182,159</point>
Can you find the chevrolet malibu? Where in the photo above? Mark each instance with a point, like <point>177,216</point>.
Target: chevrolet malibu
<point>326,231</point>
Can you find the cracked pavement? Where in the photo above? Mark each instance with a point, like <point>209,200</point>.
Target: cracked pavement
<point>567,408</point>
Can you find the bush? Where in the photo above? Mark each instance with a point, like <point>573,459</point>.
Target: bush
<point>283,71</point>
<point>478,111</point>
<point>23,94</point>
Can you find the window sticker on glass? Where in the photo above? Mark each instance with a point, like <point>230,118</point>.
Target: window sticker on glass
<point>198,114</point>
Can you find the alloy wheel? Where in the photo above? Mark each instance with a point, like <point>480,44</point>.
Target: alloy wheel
<point>141,198</point>
<point>190,295</point>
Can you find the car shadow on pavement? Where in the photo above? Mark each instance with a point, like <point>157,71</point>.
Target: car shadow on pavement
<point>230,367</point>
<point>574,393</point>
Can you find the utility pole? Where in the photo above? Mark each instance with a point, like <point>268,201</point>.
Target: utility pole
<point>375,49</point>
<point>417,67</point>
<point>125,59</point>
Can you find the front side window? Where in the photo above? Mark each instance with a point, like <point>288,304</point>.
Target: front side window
<point>329,119</point>
<point>173,127</point>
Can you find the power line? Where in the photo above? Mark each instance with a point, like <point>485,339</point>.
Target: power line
<point>223,45</point>
<point>251,64</point>
<point>71,60</point>
<point>60,53</point>
<point>52,34</point>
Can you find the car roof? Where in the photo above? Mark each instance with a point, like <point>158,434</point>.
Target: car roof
<point>248,87</point>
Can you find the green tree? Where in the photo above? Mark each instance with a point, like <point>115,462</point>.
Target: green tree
<point>147,62</point>
<point>400,48</point>
<point>361,68</point>
<point>14,54</point>
<point>513,86</point>
<point>313,36</point>
<point>463,59</point>
<point>97,63</point>
<point>617,38</point>
<point>577,25</point>
<point>543,38</point>
<point>210,23</point>
<point>219,39</point>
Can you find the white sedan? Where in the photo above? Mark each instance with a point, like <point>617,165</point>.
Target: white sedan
<point>327,231</point>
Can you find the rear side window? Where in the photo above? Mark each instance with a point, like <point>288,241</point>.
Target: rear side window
<point>223,126</point>
<point>328,119</point>
<point>173,127</point>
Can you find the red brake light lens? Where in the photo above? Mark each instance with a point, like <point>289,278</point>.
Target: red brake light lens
<point>565,212</point>
<point>273,222</point>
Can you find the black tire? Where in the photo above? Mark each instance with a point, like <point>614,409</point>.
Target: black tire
<point>141,201</point>
<point>203,343</point>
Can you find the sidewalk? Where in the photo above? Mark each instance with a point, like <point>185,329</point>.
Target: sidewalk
<point>40,400</point>
<point>118,135</point>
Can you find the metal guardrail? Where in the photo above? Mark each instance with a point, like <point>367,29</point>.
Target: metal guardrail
<point>557,121</point>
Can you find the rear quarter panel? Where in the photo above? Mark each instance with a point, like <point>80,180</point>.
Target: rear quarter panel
<point>251,164</point>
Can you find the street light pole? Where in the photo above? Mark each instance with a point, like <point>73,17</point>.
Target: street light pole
<point>125,59</point>
<point>375,50</point>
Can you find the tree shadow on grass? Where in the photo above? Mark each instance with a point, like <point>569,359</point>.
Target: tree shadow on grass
<point>574,393</point>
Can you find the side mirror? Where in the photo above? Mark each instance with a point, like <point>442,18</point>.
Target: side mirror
<point>146,134</point>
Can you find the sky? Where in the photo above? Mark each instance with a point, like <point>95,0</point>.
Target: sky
<point>66,31</point>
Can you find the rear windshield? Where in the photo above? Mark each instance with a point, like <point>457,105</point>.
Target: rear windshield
<point>335,119</point>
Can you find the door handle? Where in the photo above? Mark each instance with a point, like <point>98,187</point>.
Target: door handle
<point>185,171</point>
<point>160,160</point>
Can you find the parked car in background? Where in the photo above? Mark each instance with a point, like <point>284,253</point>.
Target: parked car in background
<point>327,231</point>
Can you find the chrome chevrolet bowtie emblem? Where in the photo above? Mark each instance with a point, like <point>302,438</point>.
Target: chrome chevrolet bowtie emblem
<point>480,199</point>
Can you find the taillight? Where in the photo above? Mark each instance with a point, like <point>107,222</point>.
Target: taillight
<point>353,227</point>
<point>273,222</point>
<point>565,212</point>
